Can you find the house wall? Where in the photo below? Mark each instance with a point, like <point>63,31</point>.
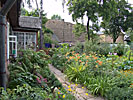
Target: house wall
<point>63,30</point>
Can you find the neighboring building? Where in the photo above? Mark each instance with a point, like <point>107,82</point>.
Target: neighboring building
<point>108,39</point>
<point>62,31</point>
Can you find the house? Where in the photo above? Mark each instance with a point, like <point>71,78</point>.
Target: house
<point>20,33</point>
<point>63,33</point>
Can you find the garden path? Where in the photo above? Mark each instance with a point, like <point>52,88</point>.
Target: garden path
<point>77,90</point>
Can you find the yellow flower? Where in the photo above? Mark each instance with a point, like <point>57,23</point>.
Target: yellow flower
<point>58,92</point>
<point>87,94</point>
<point>82,87</point>
<point>76,84</point>
<point>69,86</point>
<point>96,66</point>
<point>69,89</point>
<point>63,96</point>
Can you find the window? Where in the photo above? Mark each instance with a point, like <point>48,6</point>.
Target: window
<point>26,40</point>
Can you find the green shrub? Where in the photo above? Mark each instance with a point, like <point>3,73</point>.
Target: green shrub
<point>78,47</point>
<point>120,49</point>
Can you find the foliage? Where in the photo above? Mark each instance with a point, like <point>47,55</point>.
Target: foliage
<point>98,75</point>
<point>56,17</point>
<point>48,39</point>
<point>31,79</point>
<point>79,29</point>
<point>120,49</point>
<point>78,47</point>
<point>129,32</point>
<point>26,67</point>
<point>104,48</point>
<point>25,92</point>
<point>58,58</point>
<point>93,47</point>
<point>118,20</point>
<point>79,9</point>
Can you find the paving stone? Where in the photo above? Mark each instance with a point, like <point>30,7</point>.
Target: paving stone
<point>80,90</point>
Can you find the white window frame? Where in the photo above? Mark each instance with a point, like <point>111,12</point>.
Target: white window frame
<point>15,41</point>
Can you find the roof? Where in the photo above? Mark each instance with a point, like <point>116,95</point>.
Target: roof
<point>29,22</point>
<point>63,31</point>
<point>14,13</point>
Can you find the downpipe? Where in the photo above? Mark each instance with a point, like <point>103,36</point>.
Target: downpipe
<point>2,51</point>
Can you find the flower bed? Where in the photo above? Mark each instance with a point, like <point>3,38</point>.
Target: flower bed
<point>110,76</point>
<point>31,79</point>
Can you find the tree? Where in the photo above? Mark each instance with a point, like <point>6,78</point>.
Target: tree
<point>118,18</point>
<point>81,8</point>
<point>56,17</point>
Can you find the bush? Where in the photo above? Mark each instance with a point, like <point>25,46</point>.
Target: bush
<point>90,47</point>
<point>120,49</point>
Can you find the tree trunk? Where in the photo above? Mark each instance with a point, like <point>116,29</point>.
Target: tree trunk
<point>41,33</point>
<point>88,28</point>
<point>3,12</point>
<point>114,40</point>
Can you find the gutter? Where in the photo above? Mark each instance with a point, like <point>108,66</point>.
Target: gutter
<point>3,12</point>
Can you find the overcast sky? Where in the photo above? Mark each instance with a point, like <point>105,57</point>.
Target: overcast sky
<point>52,7</point>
